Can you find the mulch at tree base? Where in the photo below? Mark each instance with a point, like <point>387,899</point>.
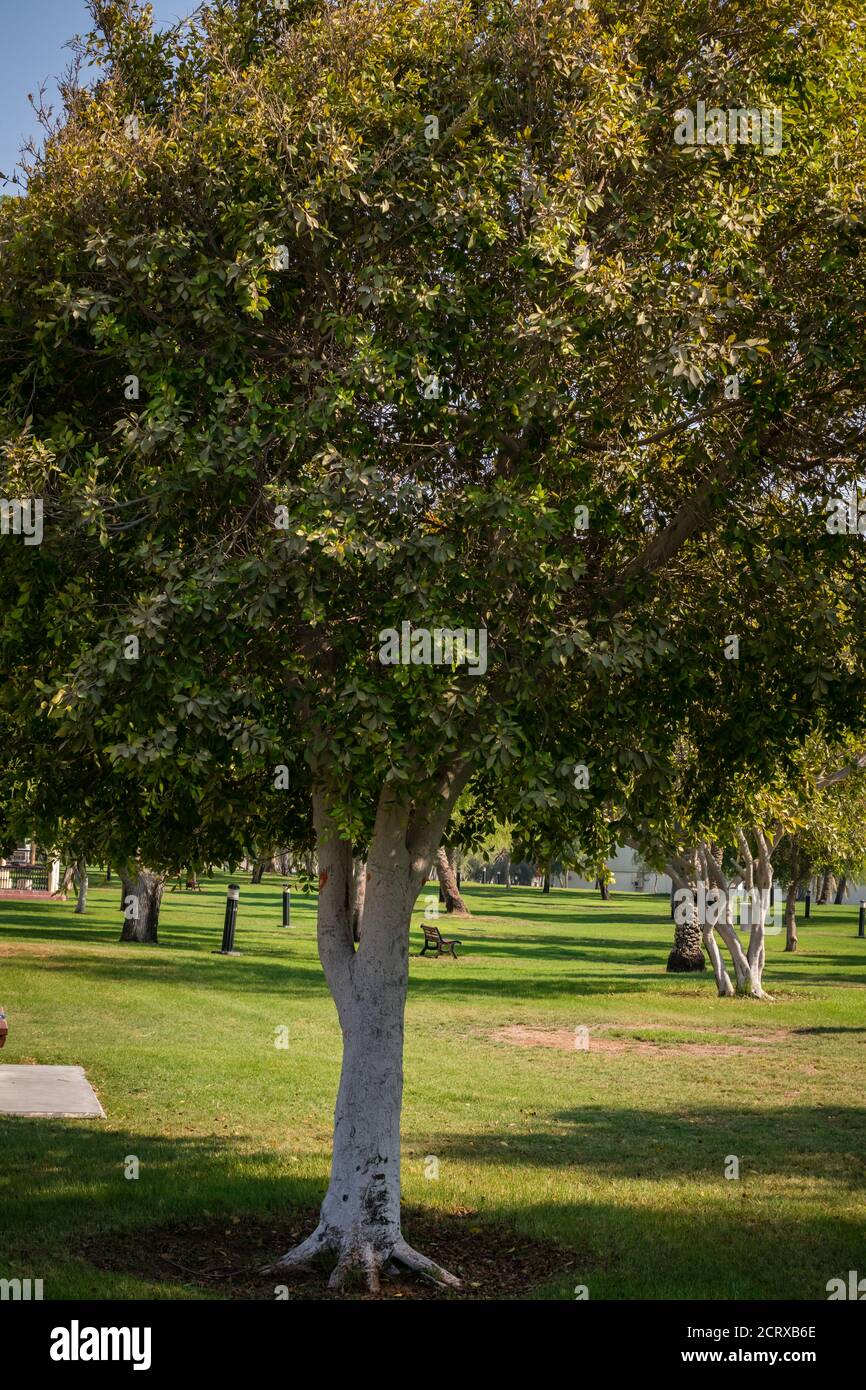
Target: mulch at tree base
<point>222,1257</point>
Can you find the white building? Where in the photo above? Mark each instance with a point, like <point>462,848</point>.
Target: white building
<point>629,875</point>
<point>25,873</point>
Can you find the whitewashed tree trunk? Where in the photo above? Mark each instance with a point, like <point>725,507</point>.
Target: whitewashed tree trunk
<point>81,905</point>
<point>715,904</point>
<point>63,888</point>
<point>722,978</point>
<point>725,925</point>
<point>359,1220</point>
<point>758,881</point>
<point>756,954</point>
<point>791,915</point>
<point>742,971</point>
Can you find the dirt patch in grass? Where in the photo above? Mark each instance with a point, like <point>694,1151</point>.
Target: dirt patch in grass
<point>568,1040</point>
<point>24,948</point>
<point>222,1258</point>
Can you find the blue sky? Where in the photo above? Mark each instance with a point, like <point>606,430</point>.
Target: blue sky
<point>32,38</point>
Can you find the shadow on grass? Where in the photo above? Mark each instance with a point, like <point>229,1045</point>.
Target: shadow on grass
<point>614,917</point>
<point>68,1176</point>
<point>203,969</point>
<point>842,1028</point>
<point>516,988</point>
<point>774,970</point>
<point>823,1142</point>
<point>559,948</point>
<point>200,1195</point>
<point>709,1249</point>
<point>256,973</point>
<point>272,968</point>
<point>266,961</point>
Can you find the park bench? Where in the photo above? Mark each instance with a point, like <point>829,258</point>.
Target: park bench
<point>180,885</point>
<point>442,945</point>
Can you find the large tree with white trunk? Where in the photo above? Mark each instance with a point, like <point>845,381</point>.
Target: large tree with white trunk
<point>723,848</point>
<point>330,327</point>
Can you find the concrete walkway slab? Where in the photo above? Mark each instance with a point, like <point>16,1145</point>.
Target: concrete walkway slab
<point>48,1091</point>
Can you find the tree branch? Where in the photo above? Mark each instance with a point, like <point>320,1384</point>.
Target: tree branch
<point>691,517</point>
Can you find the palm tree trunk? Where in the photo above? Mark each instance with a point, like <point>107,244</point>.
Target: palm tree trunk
<point>687,956</point>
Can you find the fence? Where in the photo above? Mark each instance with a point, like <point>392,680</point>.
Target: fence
<point>24,878</point>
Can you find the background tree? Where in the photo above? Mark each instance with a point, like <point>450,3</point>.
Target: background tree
<point>378,376</point>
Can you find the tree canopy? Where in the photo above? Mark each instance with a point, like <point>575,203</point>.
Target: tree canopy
<point>332,321</point>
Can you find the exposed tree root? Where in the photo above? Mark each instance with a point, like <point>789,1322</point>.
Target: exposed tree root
<point>301,1257</point>
<point>357,1257</point>
<point>753,991</point>
<point>420,1264</point>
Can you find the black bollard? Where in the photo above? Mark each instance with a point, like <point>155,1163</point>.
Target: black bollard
<point>287,905</point>
<point>108,873</point>
<point>861,930</point>
<point>808,903</point>
<point>228,946</point>
<point>672,902</point>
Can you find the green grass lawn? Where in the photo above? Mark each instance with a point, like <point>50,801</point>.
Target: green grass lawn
<point>616,1154</point>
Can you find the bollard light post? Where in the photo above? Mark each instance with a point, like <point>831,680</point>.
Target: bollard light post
<point>228,946</point>
<point>287,905</point>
